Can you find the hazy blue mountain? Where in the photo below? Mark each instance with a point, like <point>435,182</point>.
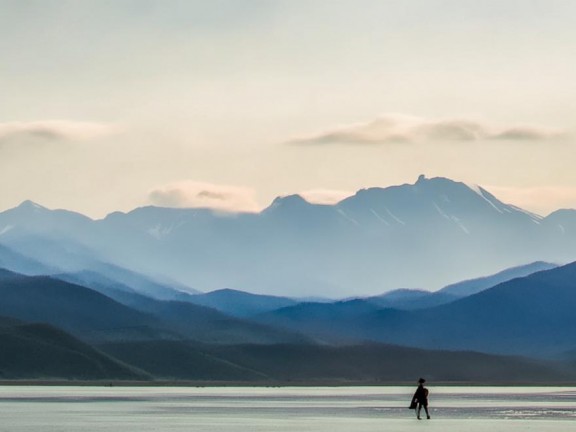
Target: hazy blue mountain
<point>16,262</point>
<point>411,299</point>
<point>32,218</point>
<point>339,322</point>
<point>82,312</point>
<point>40,351</point>
<point>59,241</point>
<point>427,234</point>
<point>93,316</point>
<point>240,303</point>
<point>564,221</point>
<point>473,286</point>
<point>200,323</point>
<point>532,316</point>
<point>72,261</point>
<point>195,321</point>
<point>108,278</point>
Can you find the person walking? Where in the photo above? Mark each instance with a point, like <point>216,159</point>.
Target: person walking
<point>420,399</point>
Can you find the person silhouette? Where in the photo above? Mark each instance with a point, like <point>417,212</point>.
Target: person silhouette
<point>420,399</point>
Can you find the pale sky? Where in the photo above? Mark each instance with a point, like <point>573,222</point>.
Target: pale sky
<point>114,104</point>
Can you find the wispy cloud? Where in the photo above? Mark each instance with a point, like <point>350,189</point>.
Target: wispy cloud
<point>54,130</point>
<point>194,194</point>
<point>398,129</point>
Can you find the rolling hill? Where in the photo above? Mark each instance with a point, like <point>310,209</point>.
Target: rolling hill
<point>93,316</point>
<point>531,316</point>
<point>84,313</point>
<point>240,303</point>
<point>40,351</point>
<point>318,364</point>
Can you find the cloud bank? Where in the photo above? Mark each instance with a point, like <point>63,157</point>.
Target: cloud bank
<point>192,194</point>
<point>54,130</point>
<point>398,129</point>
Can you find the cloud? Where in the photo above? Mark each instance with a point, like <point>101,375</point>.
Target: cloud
<point>188,193</point>
<point>325,196</point>
<point>54,130</point>
<point>529,134</point>
<point>398,129</point>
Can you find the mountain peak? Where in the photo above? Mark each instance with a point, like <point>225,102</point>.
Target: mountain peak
<point>294,201</point>
<point>436,181</point>
<point>29,205</point>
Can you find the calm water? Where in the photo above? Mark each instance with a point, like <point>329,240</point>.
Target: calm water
<point>350,409</point>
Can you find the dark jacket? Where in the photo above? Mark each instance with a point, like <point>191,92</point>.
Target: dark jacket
<point>421,395</point>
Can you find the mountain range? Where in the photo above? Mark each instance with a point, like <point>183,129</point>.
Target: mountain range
<point>424,235</point>
<point>43,319</point>
<point>129,296</point>
<point>532,316</point>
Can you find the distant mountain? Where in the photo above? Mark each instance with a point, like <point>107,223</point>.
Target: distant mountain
<point>93,316</point>
<point>109,279</point>
<point>196,320</point>
<point>240,303</point>
<point>32,218</point>
<point>334,323</point>
<point>409,299</point>
<point>318,364</point>
<point>473,286</point>
<point>208,325</point>
<point>82,312</point>
<point>14,261</point>
<point>40,351</point>
<point>531,316</point>
<point>427,234</point>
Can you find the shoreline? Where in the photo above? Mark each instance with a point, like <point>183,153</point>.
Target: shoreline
<point>263,384</point>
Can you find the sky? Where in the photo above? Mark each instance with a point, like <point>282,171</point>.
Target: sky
<point>114,104</point>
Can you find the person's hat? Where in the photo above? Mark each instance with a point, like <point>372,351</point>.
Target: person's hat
<point>421,380</point>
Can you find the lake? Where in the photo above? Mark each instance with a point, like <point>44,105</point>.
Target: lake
<point>320,409</point>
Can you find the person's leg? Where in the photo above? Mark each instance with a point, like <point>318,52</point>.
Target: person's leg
<point>427,413</point>
<point>418,410</point>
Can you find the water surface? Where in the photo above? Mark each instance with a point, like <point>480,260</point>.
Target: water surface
<point>320,409</point>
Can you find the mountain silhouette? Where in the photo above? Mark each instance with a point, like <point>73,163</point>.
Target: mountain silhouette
<point>321,364</point>
<point>92,316</point>
<point>530,316</point>
<point>240,303</point>
<point>41,351</point>
<point>78,310</point>
<point>429,234</point>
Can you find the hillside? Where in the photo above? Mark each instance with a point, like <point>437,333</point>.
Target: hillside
<point>93,316</point>
<point>40,351</point>
<point>317,364</point>
<point>532,316</point>
<point>410,299</point>
<point>82,312</point>
<point>240,303</point>
<point>474,286</point>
